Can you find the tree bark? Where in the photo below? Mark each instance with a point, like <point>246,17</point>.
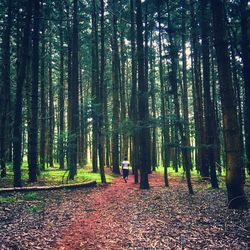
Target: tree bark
<point>115,92</point>
<point>33,152</point>
<point>43,120</point>
<point>5,103</point>
<point>61,153</point>
<point>95,89</point>
<point>101,98</point>
<point>245,40</point>
<point>165,127</point>
<point>233,151</point>
<point>142,101</point>
<point>208,107</point>
<point>133,111</point>
<point>17,132</point>
<point>73,98</point>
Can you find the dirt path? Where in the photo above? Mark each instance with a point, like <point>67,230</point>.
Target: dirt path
<point>103,224</point>
<point>120,216</point>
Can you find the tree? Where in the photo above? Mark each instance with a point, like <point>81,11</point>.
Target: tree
<point>17,131</point>
<point>95,88</point>
<point>246,73</point>
<point>142,101</point>
<point>165,127</point>
<point>233,151</point>
<point>5,93</point>
<point>43,119</point>
<point>73,98</point>
<point>134,100</point>
<point>115,91</point>
<point>61,153</point>
<point>208,107</point>
<point>101,98</point>
<point>33,154</point>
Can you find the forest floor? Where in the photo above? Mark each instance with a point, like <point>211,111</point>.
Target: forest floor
<point>121,216</point>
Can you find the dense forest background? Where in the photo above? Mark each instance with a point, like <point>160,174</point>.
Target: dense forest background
<point>165,83</point>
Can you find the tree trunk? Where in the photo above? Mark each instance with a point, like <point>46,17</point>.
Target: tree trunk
<point>142,101</point>
<point>73,98</point>
<point>33,156</point>
<point>51,122</point>
<point>148,134</point>
<point>134,100</point>
<point>197,90</point>
<point>185,81</point>
<point>61,95</point>
<point>43,120</point>
<point>165,127</point>
<point>115,92</point>
<point>153,100</point>
<point>234,154</point>
<point>208,107</point>
<point>95,89</point>
<point>101,99</point>
<point>17,132</point>
<point>244,7</point>
<point>5,103</point>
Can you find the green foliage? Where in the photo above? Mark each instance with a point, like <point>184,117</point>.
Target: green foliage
<point>9,199</point>
<point>53,176</point>
<point>30,196</point>
<point>180,173</point>
<point>34,209</point>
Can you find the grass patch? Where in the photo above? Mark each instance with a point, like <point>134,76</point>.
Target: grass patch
<point>34,209</point>
<point>172,172</point>
<point>30,196</point>
<point>9,199</point>
<point>53,176</point>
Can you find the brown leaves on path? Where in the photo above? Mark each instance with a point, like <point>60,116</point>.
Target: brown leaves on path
<point>120,216</point>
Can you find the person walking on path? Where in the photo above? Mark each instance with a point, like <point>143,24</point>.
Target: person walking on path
<point>125,169</point>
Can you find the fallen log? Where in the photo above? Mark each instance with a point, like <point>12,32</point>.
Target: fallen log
<point>44,188</point>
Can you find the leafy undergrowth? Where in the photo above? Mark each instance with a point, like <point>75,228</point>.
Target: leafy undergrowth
<point>120,216</point>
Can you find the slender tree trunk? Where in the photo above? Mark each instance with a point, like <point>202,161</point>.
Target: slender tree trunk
<point>165,127</point>
<point>148,134</point>
<point>95,89</point>
<point>134,101</point>
<point>234,154</point>
<point>73,98</point>
<point>33,152</point>
<point>43,120</point>
<point>185,81</point>
<point>245,40</point>
<point>5,103</point>
<point>17,133</point>
<point>51,121</point>
<point>115,92</point>
<point>82,121</point>
<point>69,69</point>
<point>197,90</point>
<point>142,101</point>
<point>208,107</point>
<point>153,90</point>
<point>61,96</point>
<point>101,99</point>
